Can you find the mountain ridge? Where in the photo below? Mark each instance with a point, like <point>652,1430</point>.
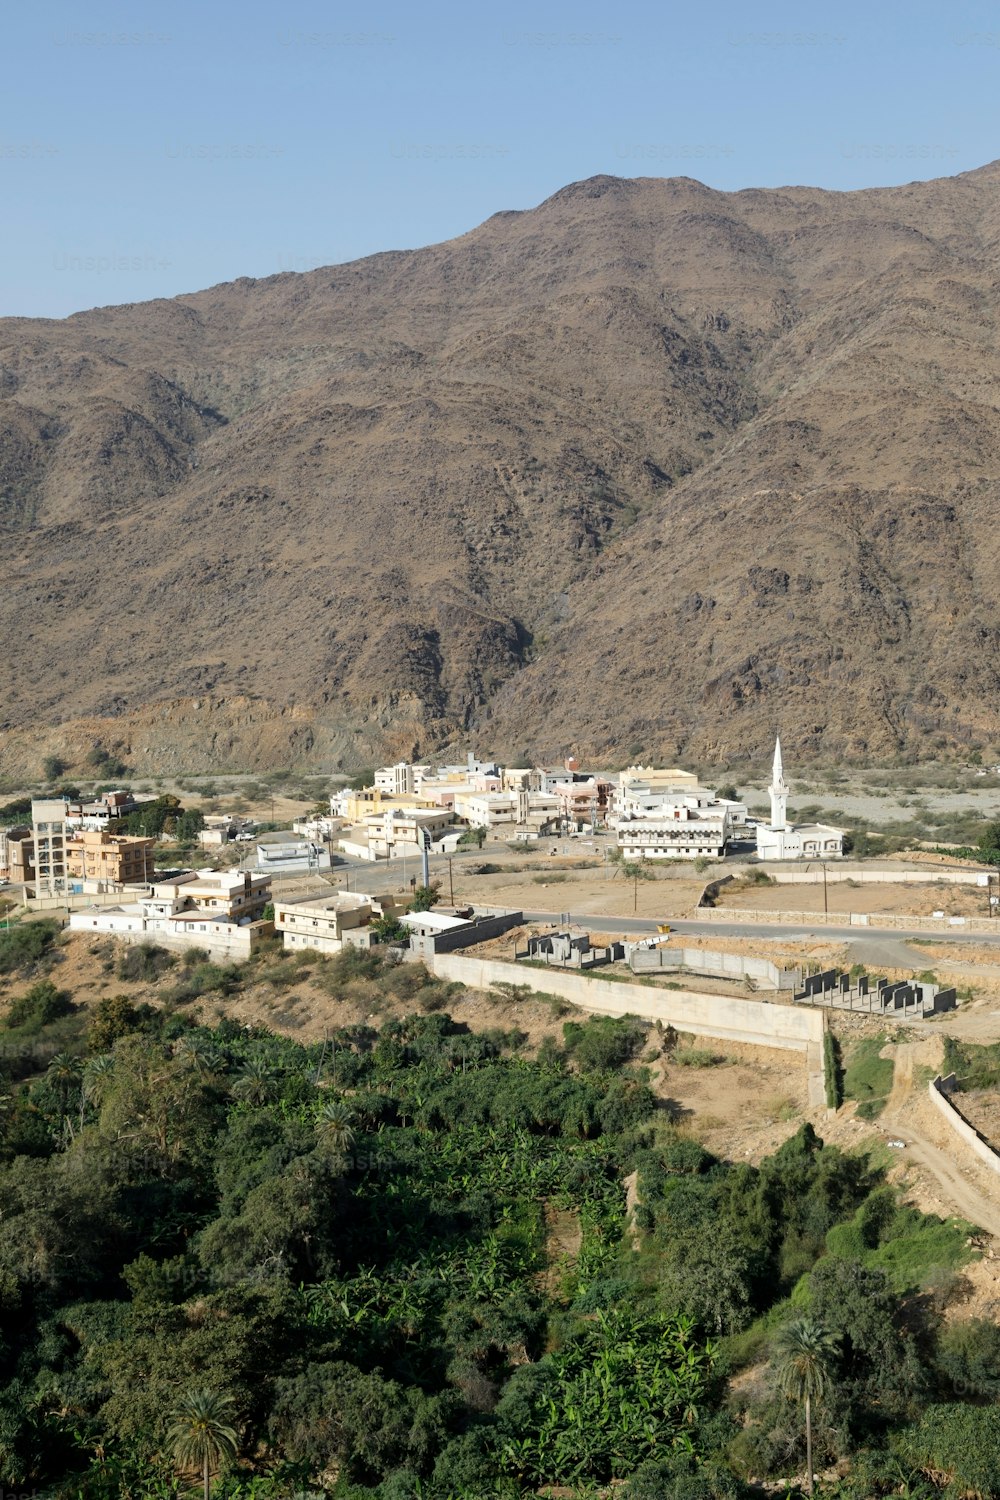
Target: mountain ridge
<point>649,466</point>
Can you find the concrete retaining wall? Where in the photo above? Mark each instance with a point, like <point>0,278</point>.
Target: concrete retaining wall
<point>83,900</point>
<point>960,1125</point>
<point>760,971</point>
<point>752,1021</point>
<point>890,920</point>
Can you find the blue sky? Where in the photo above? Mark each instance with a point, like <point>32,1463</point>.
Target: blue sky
<point>146,151</point>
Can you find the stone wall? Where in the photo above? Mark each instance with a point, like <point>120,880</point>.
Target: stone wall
<point>960,1125</point>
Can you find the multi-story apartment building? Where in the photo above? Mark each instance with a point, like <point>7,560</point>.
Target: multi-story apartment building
<point>118,859</point>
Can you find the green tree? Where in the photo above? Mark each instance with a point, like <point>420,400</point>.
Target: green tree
<point>114,1016</point>
<point>803,1354</point>
<point>424,897</point>
<point>989,840</point>
<point>200,1435</point>
<point>53,767</point>
<point>334,1128</point>
<point>388,929</point>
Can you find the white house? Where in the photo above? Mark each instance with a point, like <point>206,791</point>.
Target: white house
<point>292,858</point>
<point>782,840</point>
<point>487,809</point>
<point>397,780</point>
<point>218,910</point>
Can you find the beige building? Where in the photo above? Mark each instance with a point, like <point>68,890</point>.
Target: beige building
<point>12,853</point>
<point>324,922</point>
<point>487,809</point>
<point>395,833</point>
<point>695,827</point>
<point>234,895</point>
<point>117,859</point>
<point>660,778</point>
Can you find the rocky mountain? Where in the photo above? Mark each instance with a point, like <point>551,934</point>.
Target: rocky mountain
<point>647,469</point>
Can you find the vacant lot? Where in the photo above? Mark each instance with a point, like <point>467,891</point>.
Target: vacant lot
<point>909,900</point>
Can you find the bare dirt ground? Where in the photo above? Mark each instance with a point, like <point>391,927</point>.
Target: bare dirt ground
<point>741,1108</point>
<point>907,900</point>
<point>550,885</point>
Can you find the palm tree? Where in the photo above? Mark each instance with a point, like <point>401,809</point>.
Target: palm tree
<point>64,1072</point>
<point>803,1353</point>
<point>199,1434</point>
<point>256,1083</point>
<point>200,1054</point>
<point>333,1127</point>
<point>97,1073</point>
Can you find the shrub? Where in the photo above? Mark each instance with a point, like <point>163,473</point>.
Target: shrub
<point>144,961</point>
<point>21,947</point>
<point>114,1016</point>
<point>42,1004</point>
<point>697,1057</point>
<point>603,1043</point>
<point>868,1077</point>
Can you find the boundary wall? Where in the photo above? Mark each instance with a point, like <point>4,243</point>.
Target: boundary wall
<point>929,876</point>
<point>756,1022</point>
<point>960,1125</point>
<point>888,920</point>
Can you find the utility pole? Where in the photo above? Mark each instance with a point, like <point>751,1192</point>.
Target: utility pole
<point>635,889</point>
<point>826,907</point>
<point>451,884</point>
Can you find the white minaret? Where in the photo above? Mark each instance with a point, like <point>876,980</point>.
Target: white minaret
<point>778,790</point>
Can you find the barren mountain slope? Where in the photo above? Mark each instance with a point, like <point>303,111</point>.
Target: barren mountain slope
<point>649,466</point>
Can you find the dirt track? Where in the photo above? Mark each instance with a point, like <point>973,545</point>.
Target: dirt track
<point>952,1169</point>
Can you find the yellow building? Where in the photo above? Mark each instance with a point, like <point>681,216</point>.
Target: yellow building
<point>354,807</point>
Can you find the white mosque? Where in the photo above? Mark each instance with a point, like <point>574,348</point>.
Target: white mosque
<point>781,840</point>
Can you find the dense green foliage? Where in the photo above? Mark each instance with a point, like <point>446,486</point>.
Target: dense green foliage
<point>867,1076</point>
<point>833,1077</point>
<point>397,1265</point>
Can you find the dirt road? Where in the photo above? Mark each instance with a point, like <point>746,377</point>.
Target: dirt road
<point>952,1169</point>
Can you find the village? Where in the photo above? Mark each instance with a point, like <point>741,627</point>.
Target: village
<point>73,857</point>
